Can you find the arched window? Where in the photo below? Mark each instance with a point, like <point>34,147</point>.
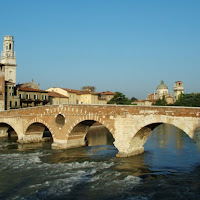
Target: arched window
<point>9,46</point>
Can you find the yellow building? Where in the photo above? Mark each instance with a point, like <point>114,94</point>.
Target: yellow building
<point>12,100</point>
<point>57,99</point>
<point>83,97</point>
<point>102,100</point>
<point>86,97</point>
<point>107,95</point>
<point>30,97</point>
<point>71,94</point>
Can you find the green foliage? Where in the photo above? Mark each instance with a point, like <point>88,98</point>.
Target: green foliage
<point>120,99</point>
<point>133,99</point>
<point>161,102</point>
<point>191,100</point>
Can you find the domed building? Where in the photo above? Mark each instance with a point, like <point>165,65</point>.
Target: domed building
<point>162,90</point>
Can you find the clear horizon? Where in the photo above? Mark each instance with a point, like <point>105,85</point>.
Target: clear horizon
<point>126,46</point>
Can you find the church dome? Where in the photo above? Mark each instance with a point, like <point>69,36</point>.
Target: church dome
<point>162,86</point>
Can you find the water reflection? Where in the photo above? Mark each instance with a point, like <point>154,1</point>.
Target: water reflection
<point>169,149</point>
<point>134,165</point>
<point>99,135</point>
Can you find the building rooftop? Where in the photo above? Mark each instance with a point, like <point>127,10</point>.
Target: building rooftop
<point>55,94</point>
<point>162,86</point>
<point>107,93</point>
<point>31,90</point>
<point>78,91</point>
<point>82,92</point>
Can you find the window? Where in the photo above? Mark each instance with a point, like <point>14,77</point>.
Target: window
<point>15,103</point>
<point>35,96</point>
<point>15,91</point>
<point>9,46</point>
<point>10,104</point>
<point>43,97</point>
<point>21,96</point>
<point>28,96</point>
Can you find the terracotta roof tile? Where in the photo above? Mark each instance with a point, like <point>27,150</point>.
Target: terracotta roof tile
<point>55,94</point>
<point>78,91</point>
<point>31,90</point>
<point>107,93</point>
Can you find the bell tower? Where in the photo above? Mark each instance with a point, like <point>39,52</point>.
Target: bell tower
<point>178,89</point>
<point>8,59</point>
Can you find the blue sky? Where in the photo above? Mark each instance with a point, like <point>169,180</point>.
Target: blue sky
<point>117,45</point>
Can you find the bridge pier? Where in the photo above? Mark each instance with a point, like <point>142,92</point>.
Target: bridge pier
<point>68,144</point>
<point>30,138</point>
<point>130,146</point>
<point>3,132</point>
<point>75,139</point>
<point>130,149</point>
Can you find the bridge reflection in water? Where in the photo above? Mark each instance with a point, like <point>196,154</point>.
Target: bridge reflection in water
<point>99,135</point>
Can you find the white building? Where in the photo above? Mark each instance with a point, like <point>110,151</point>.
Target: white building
<point>162,90</point>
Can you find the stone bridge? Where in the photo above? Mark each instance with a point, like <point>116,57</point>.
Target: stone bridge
<point>130,126</point>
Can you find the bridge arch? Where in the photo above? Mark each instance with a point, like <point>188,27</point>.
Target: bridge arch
<point>7,130</point>
<point>144,129</point>
<point>36,132</point>
<point>80,133</point>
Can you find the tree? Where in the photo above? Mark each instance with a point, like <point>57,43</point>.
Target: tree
<point>120,99</point>
<point>191,100</point>
<point>88,88</point>
<point>133,99</point>
<point>161,102</point>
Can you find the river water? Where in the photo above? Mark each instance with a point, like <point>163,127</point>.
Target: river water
<point>169,169</point>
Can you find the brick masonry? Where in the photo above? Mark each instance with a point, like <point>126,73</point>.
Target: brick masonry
<point>129,125</point>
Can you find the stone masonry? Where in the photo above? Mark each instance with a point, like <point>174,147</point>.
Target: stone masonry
<point>69,124</point>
